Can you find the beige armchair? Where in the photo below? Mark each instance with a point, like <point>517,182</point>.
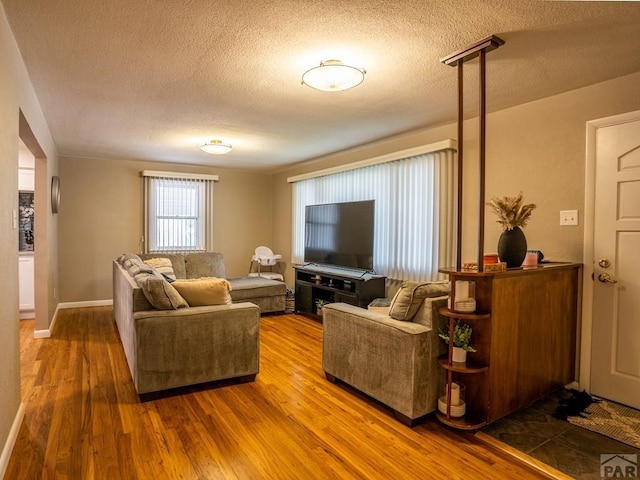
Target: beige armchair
<point>393,361</point>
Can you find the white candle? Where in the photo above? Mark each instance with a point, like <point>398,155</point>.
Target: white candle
<point>455,394</point>
<point>462,290</point>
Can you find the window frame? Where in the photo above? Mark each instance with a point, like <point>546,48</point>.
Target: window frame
<point>178,185</point>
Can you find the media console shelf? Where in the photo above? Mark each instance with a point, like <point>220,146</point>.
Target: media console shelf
<point>334,285</point>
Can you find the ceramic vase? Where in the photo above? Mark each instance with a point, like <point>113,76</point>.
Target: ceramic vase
<point>512,247</point>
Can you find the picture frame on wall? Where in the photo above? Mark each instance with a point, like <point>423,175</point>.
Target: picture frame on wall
<point>55,194</point>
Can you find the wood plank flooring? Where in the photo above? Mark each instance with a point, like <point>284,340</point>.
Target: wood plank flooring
<point>84,420</point>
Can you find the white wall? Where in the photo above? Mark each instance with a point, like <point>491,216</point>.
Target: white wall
<point>16,94</point>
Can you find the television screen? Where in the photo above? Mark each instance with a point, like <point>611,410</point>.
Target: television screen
<point>340,234</point>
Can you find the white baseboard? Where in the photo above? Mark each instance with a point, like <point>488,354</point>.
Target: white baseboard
<point>42,333</point>
<point>89,303</point>
<point>47,333</point>
<point>11,440</point>
<point>61,306</point>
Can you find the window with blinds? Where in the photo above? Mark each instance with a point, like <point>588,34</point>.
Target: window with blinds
<point>414,232</point>
<point>178,211</point>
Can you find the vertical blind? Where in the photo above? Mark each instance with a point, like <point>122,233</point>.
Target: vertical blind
<point>178,211</point>
<point>414,232</point>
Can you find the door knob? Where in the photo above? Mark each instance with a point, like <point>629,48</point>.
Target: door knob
<point>606,278</point>
<point>604,263</point>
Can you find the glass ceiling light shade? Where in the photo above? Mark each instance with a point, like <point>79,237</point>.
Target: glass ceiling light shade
<point>333,76</point>
<point>216,147</point>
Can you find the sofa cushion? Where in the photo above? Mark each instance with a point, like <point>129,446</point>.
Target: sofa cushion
<point>199,292</point>
<point>248,288</point>
<point>162,265</point>
<point>409,298</point>
<point>160,293</point>
<point>206,264</point>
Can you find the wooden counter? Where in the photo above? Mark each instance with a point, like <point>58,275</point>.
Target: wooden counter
<point>527,340</point>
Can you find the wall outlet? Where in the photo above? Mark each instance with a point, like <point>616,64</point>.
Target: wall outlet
<point>568,217</point>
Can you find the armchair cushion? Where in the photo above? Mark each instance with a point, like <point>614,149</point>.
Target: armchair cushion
<point>409,298</point>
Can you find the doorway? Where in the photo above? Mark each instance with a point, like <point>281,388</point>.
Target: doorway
<point>26,224</point>
<point>610,360</point>
<point>42,226</point>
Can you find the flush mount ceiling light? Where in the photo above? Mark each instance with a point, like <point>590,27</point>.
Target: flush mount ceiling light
<point>216,147</point>
<point>333,76</point>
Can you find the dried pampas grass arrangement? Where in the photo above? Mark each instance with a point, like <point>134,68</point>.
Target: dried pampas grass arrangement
<point>511,211</point>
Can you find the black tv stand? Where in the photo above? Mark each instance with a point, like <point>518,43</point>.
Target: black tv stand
<point>332,284</point>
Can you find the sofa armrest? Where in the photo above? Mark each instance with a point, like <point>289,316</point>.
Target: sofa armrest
<point>194,312</point>
<point>193,345</point>
<point>335,310</point>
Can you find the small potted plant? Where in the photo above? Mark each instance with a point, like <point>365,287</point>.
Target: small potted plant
<point>320,305</point>
<point>461,339</point>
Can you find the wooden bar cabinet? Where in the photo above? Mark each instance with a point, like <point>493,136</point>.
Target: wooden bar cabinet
<point>524,331</point>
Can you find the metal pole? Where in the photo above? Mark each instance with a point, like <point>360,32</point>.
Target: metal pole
<point>460,151</point>
<point>483,112</point>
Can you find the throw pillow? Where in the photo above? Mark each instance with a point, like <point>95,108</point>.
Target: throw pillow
<point>127,257</point>
<point>136,269</point>
<point>162,265</point>
<point>204,291</point>
<point>159,292</point>
<point>407,301</point>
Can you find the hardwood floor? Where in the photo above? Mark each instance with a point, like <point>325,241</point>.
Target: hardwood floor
<point>84,420</point>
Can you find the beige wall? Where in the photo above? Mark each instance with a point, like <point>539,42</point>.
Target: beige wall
<point>101,218</point>
<point>537,148</point>
<point>16,94</point>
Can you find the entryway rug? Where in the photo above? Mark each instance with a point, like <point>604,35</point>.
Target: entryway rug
<point>601,416</point>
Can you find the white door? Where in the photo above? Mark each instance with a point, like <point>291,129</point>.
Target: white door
<point>615,340</point>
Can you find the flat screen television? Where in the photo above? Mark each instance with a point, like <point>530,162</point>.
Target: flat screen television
<point>340,234</point>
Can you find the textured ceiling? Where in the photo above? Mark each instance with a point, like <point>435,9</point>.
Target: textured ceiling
<point>151,80</point>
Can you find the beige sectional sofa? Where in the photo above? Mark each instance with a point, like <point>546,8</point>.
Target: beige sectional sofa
<point>177,344</point>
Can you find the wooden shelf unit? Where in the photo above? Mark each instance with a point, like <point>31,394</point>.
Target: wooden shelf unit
<point>525,337</point>
<point>475,416</point>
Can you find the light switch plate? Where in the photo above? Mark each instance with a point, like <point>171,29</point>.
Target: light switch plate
<point>568,217</point>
